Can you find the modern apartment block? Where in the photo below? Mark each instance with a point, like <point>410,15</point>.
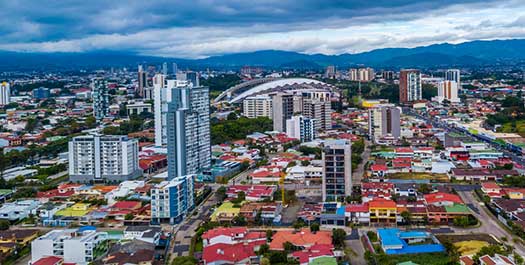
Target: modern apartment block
<point>383,121</point>
<point>100,97</point>
<point>447,90</point>
<point>337,170</point>
<point>361,74</point>
<point>302,128</point>
<point>142,80</point>
<point>188,130</point>
<point>284,105</point>
<point>410,88</point>
<point>5,93</point>
<point>162,96</point>
<point>453,75</point>
<point>74,246</point>
<point>171,200</point>
<point>317,105</point>
<point>94,158</point>
<point>257,106</point>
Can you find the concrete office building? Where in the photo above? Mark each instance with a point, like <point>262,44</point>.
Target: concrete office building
<point>188,130</point>
<point>171,200</point>
<point>284,106</point>
<point>96,158</point>
<point>100,97</point>
<point>165,68</point>
<point>302,128</point>
<point>5,93</point>
<point>162,95</point>
<point>330,71</point>
<point>447,90</point>
<point>73,245</point>
<point>388,75</point>
<point>257,106</point>
<point>410,85</point>
<point>384,120</point>
<point>337,170</point>
<point>361,74</point>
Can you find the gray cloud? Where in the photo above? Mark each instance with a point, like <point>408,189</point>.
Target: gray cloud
<point>208,27</point>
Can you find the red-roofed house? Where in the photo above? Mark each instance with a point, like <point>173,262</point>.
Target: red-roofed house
<point>382,211</point>
<point>306,256</point>
<point>442,199</point>
<point>224,235</point>
<point>303,238</point>
<point>404,152</point>
<point>492,189</point>
<point>50,260</point>
<point>358,213</point>
<point>252,192</point>
<point>378,170</point>
<point>240,253</point>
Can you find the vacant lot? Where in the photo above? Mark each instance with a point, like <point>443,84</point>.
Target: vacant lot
<point>459,238</point>
<point>429,176</point>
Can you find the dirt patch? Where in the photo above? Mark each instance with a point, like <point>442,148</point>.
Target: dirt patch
<point>459,238</point>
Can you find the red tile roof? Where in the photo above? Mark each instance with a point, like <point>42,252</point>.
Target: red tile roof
<point>235,253</point>
<point>303,238</point>
<point>433,198</point>
<point>224,231</point>
<point>51,260</point>
<point>377,167</point>
<point>315,251</point>
<point>356,208</point>
<point>127,205</point>
<point>490,185</point>
<point>382,203</point>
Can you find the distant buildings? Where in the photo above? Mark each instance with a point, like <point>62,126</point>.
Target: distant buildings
<point>162,95</point>
<point>330,72</point>
<point>165,68</point>
<point>192,77</point>
<point>384,120</point>
<point>302,128</point>
<point>257,106</point>
<point>337,170</point>
<point>41,93</point>
<point>311,104</point>
<point>410,85</point>
<point>188,130</point>
<point>171,200</point>
<point>361,74</point>
<point>388,75</point>
<point>5,93</point>
<point>251,70</point>
<point>142,81</point>
<point>138,108</point>
<point>100,97</point>
<point>447,90</point>
<point>74,246</point>
<point>95,158</point>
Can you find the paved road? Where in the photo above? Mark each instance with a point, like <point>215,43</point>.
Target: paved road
<point>352,241</point>
<point>183,232</point>
<point>489,223</point>
<point>357,174</point>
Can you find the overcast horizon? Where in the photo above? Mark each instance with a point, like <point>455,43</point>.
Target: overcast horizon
<point>198,29</point>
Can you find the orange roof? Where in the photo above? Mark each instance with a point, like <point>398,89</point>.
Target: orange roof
<point>104,189</point>
<point>382,203</point>
<point>304,238</point>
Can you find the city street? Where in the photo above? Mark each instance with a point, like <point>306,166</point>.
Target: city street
<point>489,223</point>
<point>357,174</point>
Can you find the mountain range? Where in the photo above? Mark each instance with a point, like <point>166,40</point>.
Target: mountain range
<point>474,53</point>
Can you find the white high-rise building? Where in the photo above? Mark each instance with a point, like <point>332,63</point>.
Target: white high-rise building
<point>302,128</point>
<point>171,200</point>
<point>257,106</point>
<point>447,90</point>
<point>162,88</point>
<point>188,130</point>
<point>337,170</point>
<point>410,88</point>
<point>103,158</point>
<point>5,93</point>
<point>72,245</point>
<point>384,120</point>
<point>317,105</point>
<point>361,74</point>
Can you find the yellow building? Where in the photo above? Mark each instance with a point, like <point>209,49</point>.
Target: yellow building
<point>370,103</point>
<point>9,239</point>
<point>382,211</point>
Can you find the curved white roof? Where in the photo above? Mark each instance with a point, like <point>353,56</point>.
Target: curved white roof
<point>273,84</point>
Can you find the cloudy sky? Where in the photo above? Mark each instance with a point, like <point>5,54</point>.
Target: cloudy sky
<point>201,28</point>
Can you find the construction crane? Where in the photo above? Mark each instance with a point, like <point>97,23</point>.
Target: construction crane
<point>281,182</point>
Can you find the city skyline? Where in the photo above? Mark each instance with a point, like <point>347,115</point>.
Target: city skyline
<point>207,28</point>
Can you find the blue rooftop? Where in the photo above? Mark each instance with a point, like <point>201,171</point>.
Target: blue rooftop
<point>394,241</point>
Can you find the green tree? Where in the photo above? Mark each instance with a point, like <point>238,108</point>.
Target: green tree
<point>269,235</point>
<point>338,237</point>
<point>91,122</point>
<point>314,227</point>
<point>31,124</point>
<point>4,224</point>
<point>407,217</point>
